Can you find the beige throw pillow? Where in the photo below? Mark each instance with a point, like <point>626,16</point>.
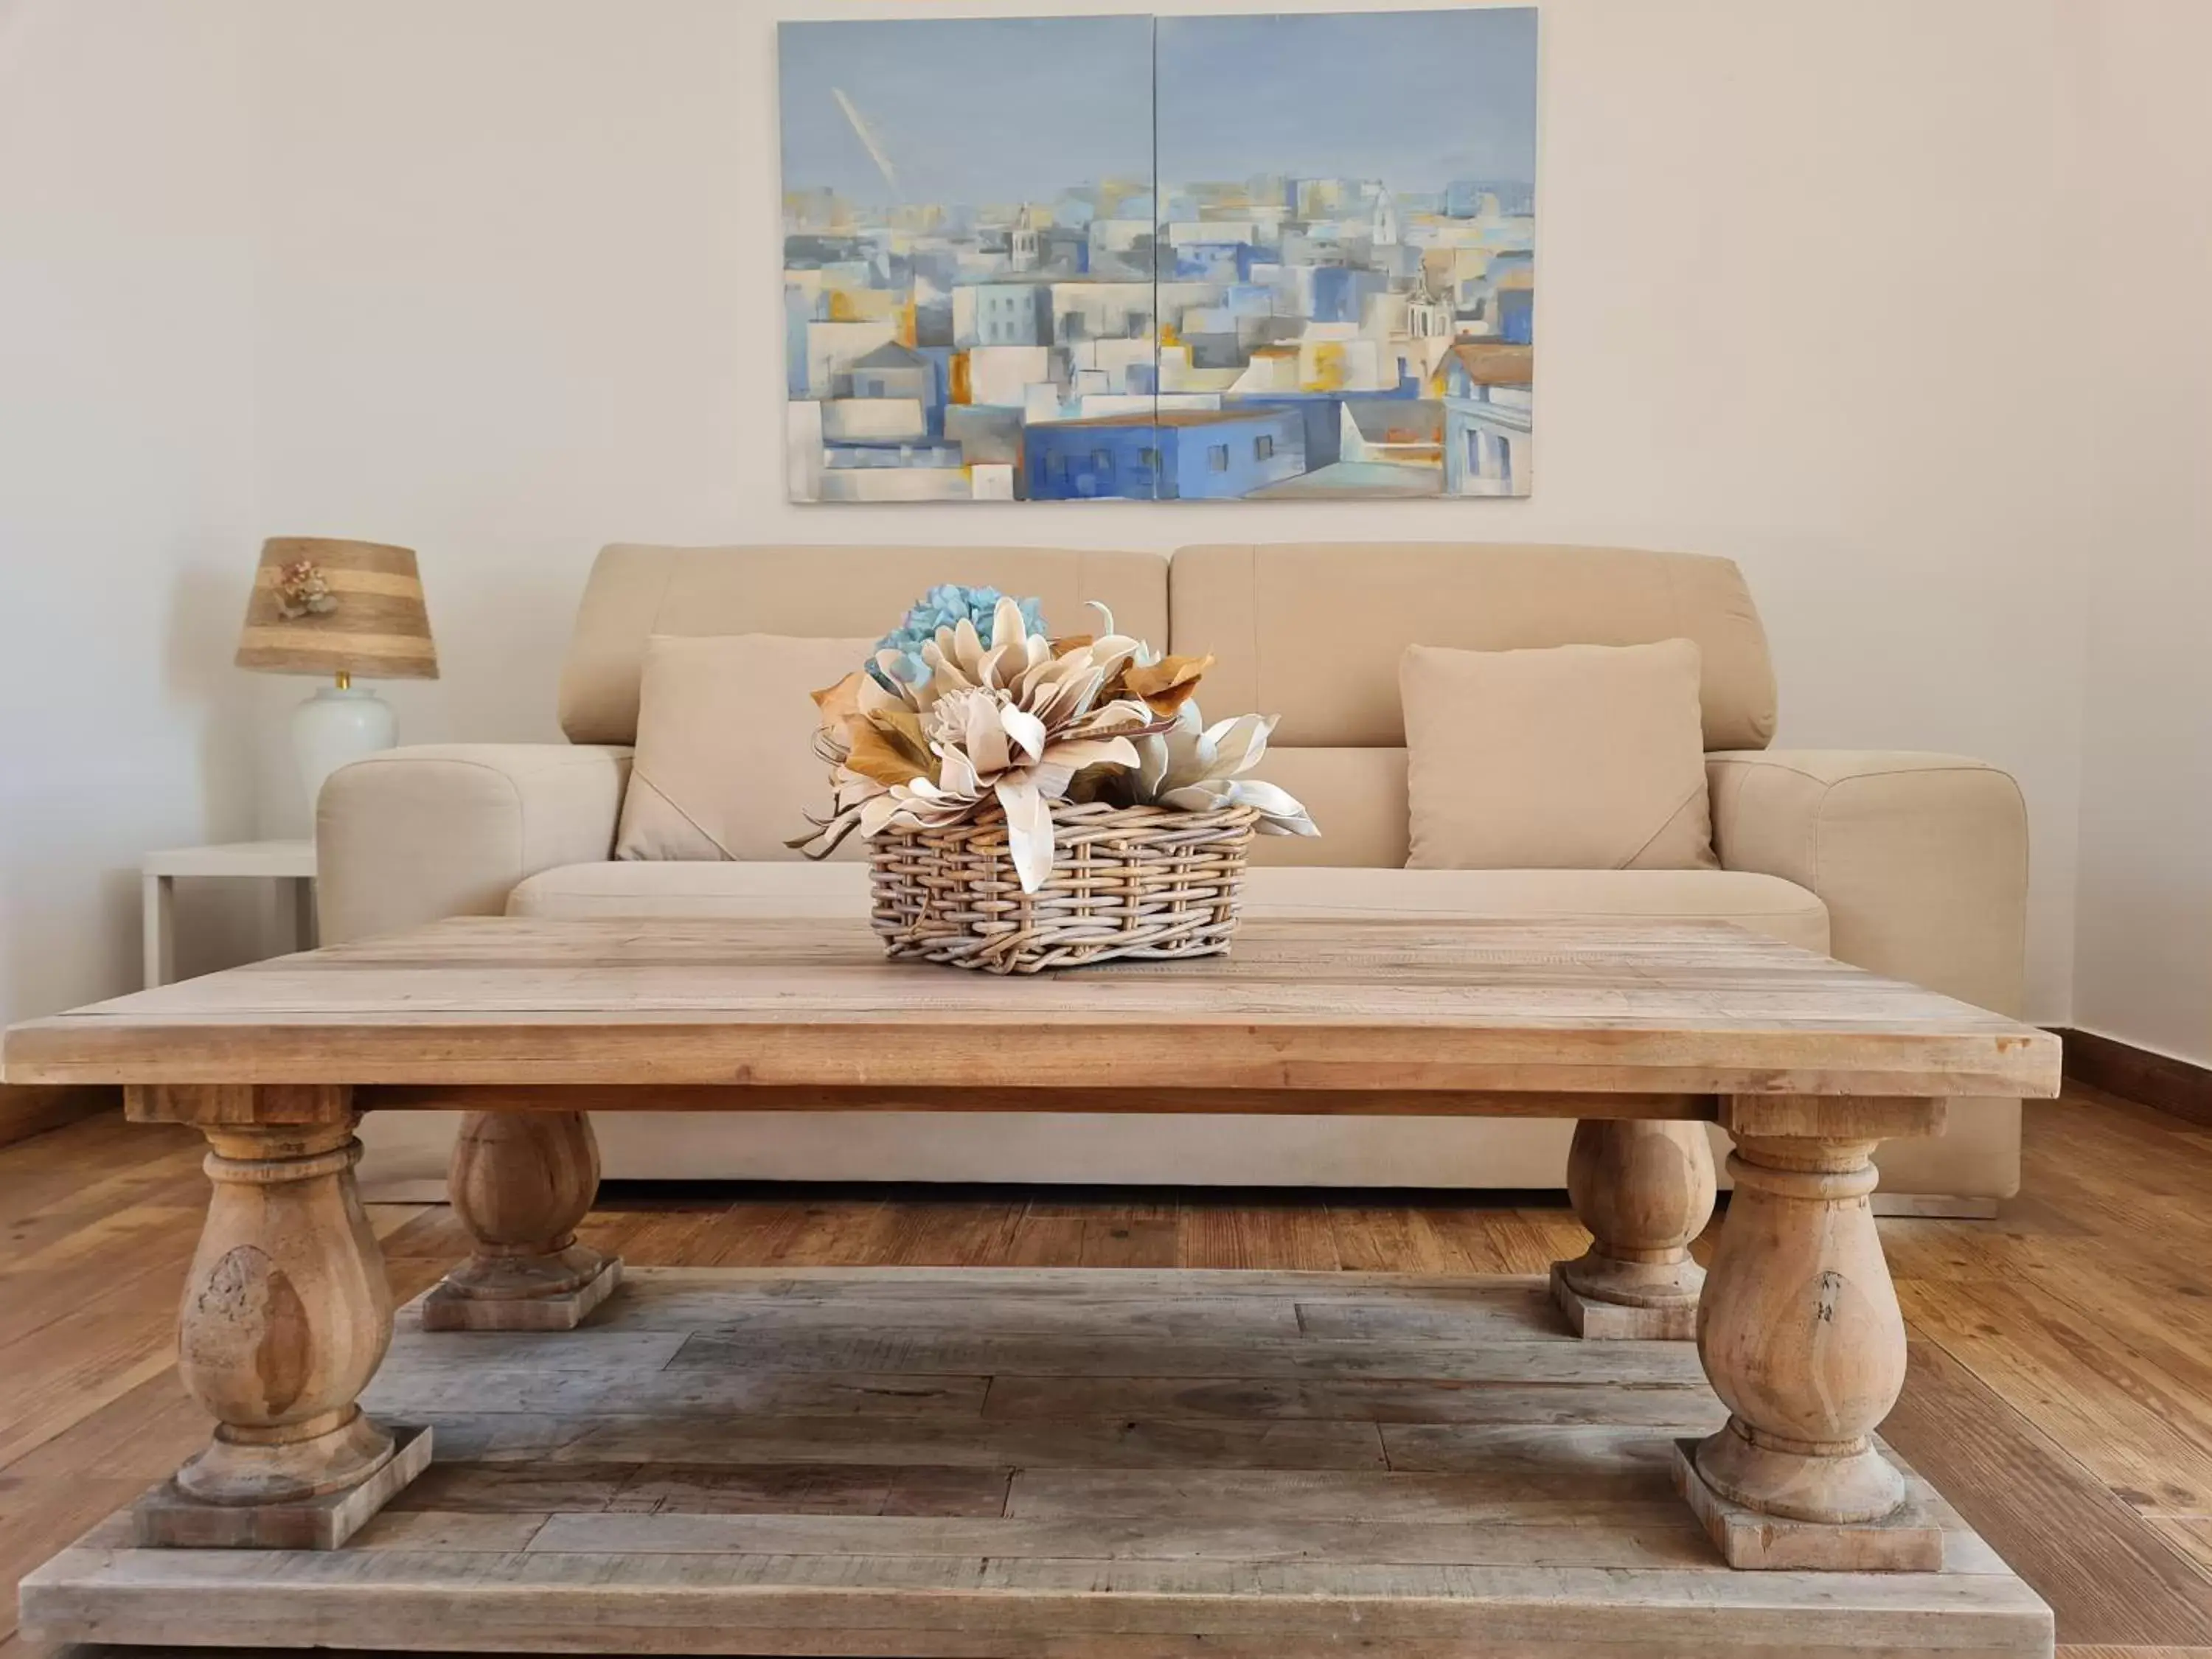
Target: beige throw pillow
<point>1579,757</point>
<point>725,766</point>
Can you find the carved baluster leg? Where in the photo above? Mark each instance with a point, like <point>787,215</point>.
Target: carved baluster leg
<point>520,1181</point>
<point>1644,1189</point>
<point>1799,1334</point>
<point>285,1317</point>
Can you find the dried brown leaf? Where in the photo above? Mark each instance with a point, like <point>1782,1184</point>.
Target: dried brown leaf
<point>840,703</point>
<point>888,747</point>
<point>1167,685</point>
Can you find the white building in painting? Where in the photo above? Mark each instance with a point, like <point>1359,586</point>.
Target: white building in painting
<point>1023,249</point>
<point>1487,410</point>
<point>1002,314</point>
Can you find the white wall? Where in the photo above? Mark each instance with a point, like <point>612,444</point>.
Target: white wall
<point>2144,970</point>
<point>125,461</point>
<point>510,291</point>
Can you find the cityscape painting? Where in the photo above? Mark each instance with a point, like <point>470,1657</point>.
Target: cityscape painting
<point>1259,256</point>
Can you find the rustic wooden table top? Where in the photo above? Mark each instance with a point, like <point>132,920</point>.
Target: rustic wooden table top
<point>1343,1009</point>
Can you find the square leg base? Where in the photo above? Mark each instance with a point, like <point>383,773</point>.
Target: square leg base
<point>445,1309</point>
<point>169,1518</point>
<point>1907,1541</point>
<point>1615,1321</point>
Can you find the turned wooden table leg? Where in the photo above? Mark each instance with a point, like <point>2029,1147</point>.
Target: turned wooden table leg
<point>1644,1189</point>
<point>520,1181</point>
<point>286,1315</point>
<point>1801,1336</point>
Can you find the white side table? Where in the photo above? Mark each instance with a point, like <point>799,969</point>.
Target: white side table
<point>292,862</point>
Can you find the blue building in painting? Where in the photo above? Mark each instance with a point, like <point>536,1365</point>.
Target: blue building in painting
<point>1107,458</point>
<point>1513,272</point>
<point>1213,262</point>
<point>1178,454</point>
<point>1516,315</point>
<point>1339,293</point>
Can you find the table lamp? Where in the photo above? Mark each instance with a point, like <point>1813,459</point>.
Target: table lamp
<point>340,608</point>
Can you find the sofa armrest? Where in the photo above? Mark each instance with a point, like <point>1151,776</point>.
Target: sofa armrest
<point>447,829</point>
<point>1922,859</point>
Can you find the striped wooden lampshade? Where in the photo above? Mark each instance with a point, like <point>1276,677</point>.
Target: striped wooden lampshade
<point>338,608</point>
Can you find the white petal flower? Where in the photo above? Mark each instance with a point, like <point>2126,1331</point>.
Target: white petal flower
<point>966,649</point>
<point>1008,630</point>
<point>1026,729</point>
<point>1239,744</point>
<point>1029,829</point>
<point>1016,721</point>
<point>1053,779</point>
<point>1151,766</point>
<point>1196,768</point>
<point>1280,813</point>
<point>959,776</point>
<point>1079,752</point>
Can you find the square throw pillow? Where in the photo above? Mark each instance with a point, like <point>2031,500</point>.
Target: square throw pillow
<point>1578,758</point>
<point>726,765</point>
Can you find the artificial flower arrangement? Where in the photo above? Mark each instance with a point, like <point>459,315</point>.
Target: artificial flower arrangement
<point>1088,740</point>
<point>302,590</point>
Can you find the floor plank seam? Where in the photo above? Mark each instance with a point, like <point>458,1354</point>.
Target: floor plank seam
<point>2065,1454</point>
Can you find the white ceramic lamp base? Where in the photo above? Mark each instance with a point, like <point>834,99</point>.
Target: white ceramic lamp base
<point>339,723</point>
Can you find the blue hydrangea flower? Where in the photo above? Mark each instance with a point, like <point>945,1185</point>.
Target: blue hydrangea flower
<point>944,606</point>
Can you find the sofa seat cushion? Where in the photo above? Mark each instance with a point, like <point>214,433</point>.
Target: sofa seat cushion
<point>1767,904</point>
<point>695,888</point>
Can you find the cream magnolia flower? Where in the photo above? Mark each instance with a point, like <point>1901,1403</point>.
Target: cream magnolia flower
<point>1199,769</point>
<point>1016,722</point>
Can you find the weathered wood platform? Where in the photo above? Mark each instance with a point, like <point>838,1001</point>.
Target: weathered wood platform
<point>973,1463</point>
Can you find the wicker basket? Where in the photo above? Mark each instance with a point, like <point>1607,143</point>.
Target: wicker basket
<point>1127,881</point>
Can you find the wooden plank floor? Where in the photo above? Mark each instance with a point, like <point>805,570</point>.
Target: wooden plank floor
<point>2061,1393</point>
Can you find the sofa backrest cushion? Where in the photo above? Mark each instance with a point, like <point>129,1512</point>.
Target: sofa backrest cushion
<point>1313,631</point>
<point>636,592</point>
<point>727,766</point>
<point>1564,757</point>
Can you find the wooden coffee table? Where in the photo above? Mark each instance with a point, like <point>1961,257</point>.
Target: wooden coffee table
<point>1643,1033</point>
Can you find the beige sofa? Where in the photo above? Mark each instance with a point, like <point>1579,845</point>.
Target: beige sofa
<point>1913,865</point>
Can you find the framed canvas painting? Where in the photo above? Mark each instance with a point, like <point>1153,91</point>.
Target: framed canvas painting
<point>1189,258</point>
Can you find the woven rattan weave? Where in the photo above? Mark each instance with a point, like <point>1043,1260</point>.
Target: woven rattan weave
<point>1127,881</point>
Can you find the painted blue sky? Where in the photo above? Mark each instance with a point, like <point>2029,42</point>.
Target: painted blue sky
<point>979,110</point>
<point>1415,99</point>
<point>968,110</point>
